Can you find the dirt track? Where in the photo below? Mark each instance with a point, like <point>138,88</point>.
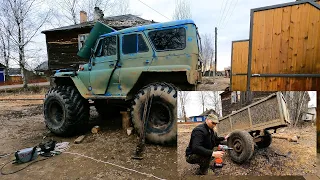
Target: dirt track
<point>268,161</point>
<point>217,83</point>
<point>22,126</point>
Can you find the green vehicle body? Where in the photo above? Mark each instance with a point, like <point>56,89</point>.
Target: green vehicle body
<point>121,75</point>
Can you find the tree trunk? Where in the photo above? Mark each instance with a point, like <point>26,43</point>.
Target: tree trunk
<point>6,59</point>
<point>301,103</point>
<point>184,114</point>
<point>21,54</point>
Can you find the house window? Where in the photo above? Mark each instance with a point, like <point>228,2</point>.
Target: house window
<point>107,46</point>
<point>134,43</point>
<point>82,39</point>
<point>168,39</point>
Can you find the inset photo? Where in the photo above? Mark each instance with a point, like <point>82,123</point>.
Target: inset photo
<point>246,133</point>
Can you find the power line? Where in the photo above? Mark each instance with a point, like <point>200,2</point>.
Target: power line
<point>221,17</point>
<point>218,20</point>
<point>226,15</point>
<point>154,10</point>
<point>234,7</point>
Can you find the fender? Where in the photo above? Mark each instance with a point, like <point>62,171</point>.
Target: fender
<point>60,74</point>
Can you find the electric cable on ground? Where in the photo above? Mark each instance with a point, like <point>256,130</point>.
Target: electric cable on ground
<point>122,167</point>
<point>2,173</point>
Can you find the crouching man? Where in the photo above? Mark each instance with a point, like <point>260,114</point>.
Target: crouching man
<point>203,140</point>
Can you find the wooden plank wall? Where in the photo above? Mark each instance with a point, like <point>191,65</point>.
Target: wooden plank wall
<point>285,41</point>
<point>62,47</point>
<point>239,65</point>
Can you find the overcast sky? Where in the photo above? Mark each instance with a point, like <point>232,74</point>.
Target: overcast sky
<point>207,15</point>
<point>194,107</point>
<point>233,15</point>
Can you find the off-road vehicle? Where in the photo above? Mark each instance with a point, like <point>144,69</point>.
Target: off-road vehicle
<point>122,66</point>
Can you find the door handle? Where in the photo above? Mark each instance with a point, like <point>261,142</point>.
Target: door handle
<point>147,61</point>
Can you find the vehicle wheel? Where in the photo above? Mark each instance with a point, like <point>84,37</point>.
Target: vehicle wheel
<point>65,110</point>
<point>242,144</point>
<point>265,140</point>
<point>162,126</point>
<point>106,110</point>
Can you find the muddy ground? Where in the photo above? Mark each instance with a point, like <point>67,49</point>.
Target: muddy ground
<point>301,159</point>
<point>217,83</point>
<point>22,126</point>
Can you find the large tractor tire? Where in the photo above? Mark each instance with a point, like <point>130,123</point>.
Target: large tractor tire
<point>243,146</point>
<point>161,126</point>
<point>66,112</point>
<point>265,140</point>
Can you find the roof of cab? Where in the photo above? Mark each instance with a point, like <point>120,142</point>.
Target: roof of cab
<point>150,26</point>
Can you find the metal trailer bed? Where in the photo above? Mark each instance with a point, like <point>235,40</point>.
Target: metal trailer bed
<point>249,125</point>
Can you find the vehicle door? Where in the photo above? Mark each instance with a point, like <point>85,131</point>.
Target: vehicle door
<point>102,64</point>
<point>135,57</point>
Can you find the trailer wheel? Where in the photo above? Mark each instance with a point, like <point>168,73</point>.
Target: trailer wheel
<point>66,112</point>
<point>162,126</point>
<point>265,140</point>
<point>243,146</point>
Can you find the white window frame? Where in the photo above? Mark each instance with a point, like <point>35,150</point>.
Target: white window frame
<point>82,39</point>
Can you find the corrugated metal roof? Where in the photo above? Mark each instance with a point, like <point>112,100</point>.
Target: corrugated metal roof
<point>122,21</point>
<point>42,67</point>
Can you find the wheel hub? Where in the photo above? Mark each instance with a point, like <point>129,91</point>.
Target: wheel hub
<point>237,146</point>
<point>55,113</point>
<point>159,115</point>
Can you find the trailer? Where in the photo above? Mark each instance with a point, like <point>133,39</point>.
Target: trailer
<point>250,126</point>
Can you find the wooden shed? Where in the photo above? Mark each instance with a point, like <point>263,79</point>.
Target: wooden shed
<point>64,43</point>
<point>283,49</point>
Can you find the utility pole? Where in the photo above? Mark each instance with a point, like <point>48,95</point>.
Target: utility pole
<point>216,50</point>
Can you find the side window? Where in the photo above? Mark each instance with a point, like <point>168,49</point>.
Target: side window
<point>168,39</point>
<point>142,45</point>
<point>107,47</point>
<point>133,43</point>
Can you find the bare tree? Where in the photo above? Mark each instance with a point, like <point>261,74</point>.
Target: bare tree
<point>207,51</point>
<point>5,45</point>
<point>202,98</point>
<point>183,101</point>
<point>213,99</point>
<point>182,10</point>
<point>297,103</point>
<point>67,11</point>
<point>121,7</point>
<point>23,16</point>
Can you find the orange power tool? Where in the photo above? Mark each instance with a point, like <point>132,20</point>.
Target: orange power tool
<point>218,162</point>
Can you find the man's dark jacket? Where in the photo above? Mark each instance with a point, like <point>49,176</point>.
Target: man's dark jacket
<point>202,141</point>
